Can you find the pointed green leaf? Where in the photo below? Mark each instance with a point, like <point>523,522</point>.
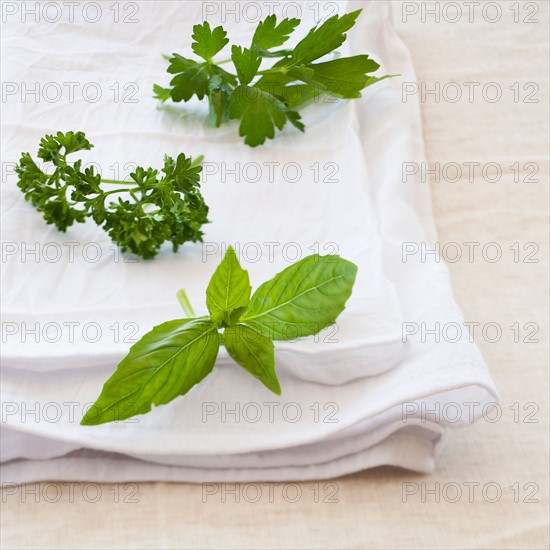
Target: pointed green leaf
<point>228,290</point>
<point>165,363</point>
<point>303,299</point>
<point>254,352</point>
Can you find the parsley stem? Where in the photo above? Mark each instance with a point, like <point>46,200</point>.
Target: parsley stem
<point>274,70</point>
<point>185,303</point>
<point>112,192</point>
<point>118,182</point>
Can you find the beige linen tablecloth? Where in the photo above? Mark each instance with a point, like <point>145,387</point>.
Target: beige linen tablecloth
<point>459,505</point>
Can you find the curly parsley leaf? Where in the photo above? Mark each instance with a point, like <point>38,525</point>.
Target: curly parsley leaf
<point>51,146</point>
<point>264,100</point>
<point>139,215</point>
<point>175,356</point>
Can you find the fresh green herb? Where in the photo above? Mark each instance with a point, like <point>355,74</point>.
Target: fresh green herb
<point>139,216</point>
<point>168,361</point>
<point>267,99</point>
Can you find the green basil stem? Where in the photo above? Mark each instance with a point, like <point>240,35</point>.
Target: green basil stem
<point>185,303</point>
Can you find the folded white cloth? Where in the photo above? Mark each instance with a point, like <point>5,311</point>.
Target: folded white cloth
<point>357,396</point>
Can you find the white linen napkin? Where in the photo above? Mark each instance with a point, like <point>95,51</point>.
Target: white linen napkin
<point>352,399</point>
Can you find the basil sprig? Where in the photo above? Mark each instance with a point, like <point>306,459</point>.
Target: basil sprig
<point>167,362</point>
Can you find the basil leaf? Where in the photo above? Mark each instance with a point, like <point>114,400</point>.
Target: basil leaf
<point>228,290</point>
<point>254,352</point>
<point>165,363</point>
<point>168,361</point>
<point>303,299</point>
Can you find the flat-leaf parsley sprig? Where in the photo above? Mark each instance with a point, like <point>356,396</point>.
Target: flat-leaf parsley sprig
<point>167,362</point>
<point>266,99</point>
<point>138,215</point>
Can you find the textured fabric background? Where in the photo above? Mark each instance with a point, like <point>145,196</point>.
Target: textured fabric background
<point>511,453</point>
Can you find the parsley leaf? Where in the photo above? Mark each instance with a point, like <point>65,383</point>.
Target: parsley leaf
<point>247,63</point>
<point>219,90</point>
<point>191,78</point>
<point>162,94</point>
<point>344,77</point>
<point>322,40</point>
<point>207,42</point>
<point>265,100</point>
<point>270,35</point>
<point>259,113</point>
<point>175,356</point>
<point>50,146</point>
<point>149,209</point>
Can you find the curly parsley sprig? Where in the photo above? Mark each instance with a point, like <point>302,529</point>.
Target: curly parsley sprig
<point>267,99</point>
<point>138,215</point>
